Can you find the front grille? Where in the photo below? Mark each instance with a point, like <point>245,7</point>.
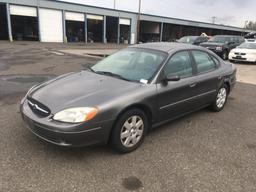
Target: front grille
<point>236,53</point>
<point>38,108</point>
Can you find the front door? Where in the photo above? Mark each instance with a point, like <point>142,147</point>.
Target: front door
<point>176,97</point>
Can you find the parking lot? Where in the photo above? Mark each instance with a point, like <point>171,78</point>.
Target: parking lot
<point>203,151</point>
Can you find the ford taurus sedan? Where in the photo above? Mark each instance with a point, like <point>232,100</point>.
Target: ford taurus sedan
<point>121,98</point>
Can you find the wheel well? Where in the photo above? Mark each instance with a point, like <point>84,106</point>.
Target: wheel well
<point>142,107</point>
<point>228,85</point>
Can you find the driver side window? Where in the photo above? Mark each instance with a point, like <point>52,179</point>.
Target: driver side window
<point>179,64</point>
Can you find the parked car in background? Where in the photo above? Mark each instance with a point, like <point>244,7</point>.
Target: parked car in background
<point>244,52</point>
<point>122,97</point>
<point>222,44</point>
<point>251,35</point>
<point>250,40</point>
<point>193,40</point>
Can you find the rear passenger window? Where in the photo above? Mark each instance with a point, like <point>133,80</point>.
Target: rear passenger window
<point>215,60</point>
<point>203,61</point>
<point>179,64</point>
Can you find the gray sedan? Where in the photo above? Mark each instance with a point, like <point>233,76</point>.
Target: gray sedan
<point>121,98</point>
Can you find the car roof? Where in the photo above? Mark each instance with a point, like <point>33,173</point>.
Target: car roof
<point>191,36</point>
<point>165,46</point>
<point>227,36</point>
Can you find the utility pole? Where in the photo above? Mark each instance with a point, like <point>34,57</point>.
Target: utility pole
<point>245,26</point>
<point>138,22</point>
<point>114,4</point>
<point>214,19</point>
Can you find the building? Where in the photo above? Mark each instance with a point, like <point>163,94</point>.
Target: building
<point>56,21</point>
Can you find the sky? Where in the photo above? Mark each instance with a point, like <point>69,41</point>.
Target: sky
<point>227,12</point>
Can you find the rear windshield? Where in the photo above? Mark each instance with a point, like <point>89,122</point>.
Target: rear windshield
<point>220,39</point>
<point>187,39</point>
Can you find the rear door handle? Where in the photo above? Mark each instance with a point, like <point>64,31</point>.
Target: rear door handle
<point>192,85</point>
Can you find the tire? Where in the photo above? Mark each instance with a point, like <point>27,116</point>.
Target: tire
<point>224,55</point>
<point>132,136</point>
<point>220,99</point>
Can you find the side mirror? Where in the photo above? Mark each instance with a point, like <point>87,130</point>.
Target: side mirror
<point>172,77</point>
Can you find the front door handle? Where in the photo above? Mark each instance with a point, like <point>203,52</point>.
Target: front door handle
<point>192,85</point>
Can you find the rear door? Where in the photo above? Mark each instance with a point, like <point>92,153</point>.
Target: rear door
<point>176,97</point>
<point>207,78</point>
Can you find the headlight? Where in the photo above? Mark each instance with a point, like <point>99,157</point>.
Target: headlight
<point>76,115</point>
<point>219,48</point>
<point>231,52</point>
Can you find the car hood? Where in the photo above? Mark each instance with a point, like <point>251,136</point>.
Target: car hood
<point>212,44</point>
<point>83,89</point>
<point>241,50</point>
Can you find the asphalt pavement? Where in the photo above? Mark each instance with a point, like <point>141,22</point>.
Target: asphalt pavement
<point>201,152</point>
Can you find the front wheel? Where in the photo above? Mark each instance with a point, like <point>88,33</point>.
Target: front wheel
<point>220,99</point>
<point>129,131</point>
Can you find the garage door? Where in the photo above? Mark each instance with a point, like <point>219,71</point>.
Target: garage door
<point>95,17</point>
<point>51,27</point>
<point>123,21</point>
<point>71,16</point>
<point>23,11</point>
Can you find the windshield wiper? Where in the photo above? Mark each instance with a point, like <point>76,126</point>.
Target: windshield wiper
<point>113,75</point>
<point>90,69</point>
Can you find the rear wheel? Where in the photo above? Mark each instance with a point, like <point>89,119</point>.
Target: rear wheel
<point>129,131</point>
<point>220,99</point>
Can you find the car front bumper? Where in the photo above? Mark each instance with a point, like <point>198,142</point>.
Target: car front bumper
<point>246,58</point>
<point>64,134</point>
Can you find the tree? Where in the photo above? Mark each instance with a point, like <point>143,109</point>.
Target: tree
<point>251,25</point>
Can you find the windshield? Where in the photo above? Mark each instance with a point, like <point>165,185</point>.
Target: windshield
<point>219,39</point>
<point>187,39</point>
<point>247,46</point>
<point>131,64</point>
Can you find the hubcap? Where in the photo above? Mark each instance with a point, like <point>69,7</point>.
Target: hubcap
<point>221,97</point>
<point>132,131</point>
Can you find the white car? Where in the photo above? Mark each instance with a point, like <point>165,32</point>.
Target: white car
<point>244,52</point>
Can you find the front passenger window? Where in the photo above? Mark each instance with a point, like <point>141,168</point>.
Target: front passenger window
<point>179,64</point>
